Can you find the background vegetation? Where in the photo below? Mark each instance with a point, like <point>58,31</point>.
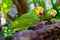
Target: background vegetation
<point>20,7</point>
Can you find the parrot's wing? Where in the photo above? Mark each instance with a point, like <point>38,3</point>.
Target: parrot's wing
<point>47,16</point>
<point>25,21</point>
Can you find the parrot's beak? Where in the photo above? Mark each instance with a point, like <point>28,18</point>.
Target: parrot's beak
<point>53,16</point>
<point>41,12</point>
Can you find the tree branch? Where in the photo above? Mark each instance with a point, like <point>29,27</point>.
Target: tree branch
<point>21,6</point>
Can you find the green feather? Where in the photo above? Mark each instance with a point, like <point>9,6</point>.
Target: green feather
<point>25,21</point>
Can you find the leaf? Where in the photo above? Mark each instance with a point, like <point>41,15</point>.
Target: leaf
<point>6,6</point>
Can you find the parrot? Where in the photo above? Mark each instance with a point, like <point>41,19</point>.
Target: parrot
<point>48,15</point>
<point>23,22</point>
<point>56,6</point>
<point>26,20</point>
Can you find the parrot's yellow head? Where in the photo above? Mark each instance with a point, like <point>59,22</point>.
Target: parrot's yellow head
<point>39,10</point>
<point>53,13</point>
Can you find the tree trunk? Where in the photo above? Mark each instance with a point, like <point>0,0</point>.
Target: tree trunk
<point>57,2</point>
<point>21,6</point>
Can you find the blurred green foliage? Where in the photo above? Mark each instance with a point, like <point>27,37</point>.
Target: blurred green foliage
<point>6,6</point>
<point>46,4</point>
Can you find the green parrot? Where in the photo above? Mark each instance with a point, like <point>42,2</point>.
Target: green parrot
<point>27,20</point>
<point>23,22</point>
<point>48,15</point>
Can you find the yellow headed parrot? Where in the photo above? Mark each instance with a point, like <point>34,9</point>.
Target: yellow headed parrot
<point>27,20</point>
<point>48,15</point>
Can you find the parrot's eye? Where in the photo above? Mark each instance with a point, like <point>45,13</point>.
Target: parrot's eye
<point>37,9</point>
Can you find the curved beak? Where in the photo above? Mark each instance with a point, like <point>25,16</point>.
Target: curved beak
<point>41,12</point>
<point>53,16</point>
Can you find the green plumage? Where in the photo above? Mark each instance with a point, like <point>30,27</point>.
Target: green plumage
<point>46,16</point>
<point>21,23</point>
<point>25,21</point>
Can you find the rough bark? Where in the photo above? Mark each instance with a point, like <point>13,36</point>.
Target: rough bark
<point>21,6</point>
<point>1,38</point>
<point>45,32</point>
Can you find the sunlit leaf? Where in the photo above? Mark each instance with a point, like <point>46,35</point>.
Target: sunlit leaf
<point>6,6</point>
